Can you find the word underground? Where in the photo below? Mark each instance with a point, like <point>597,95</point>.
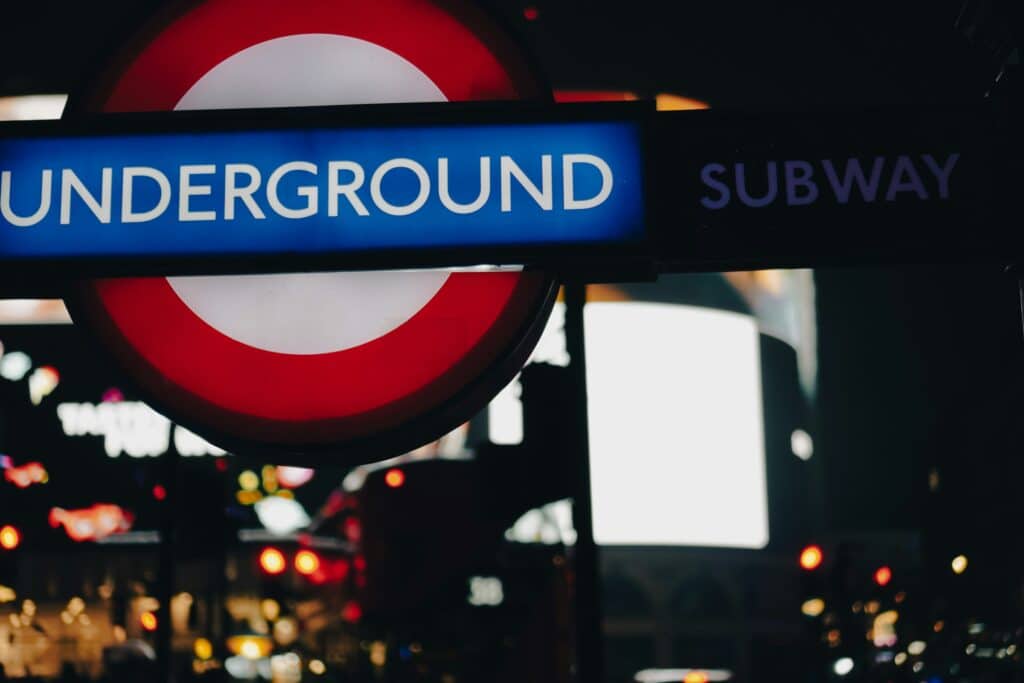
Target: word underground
<point>245,188</point>
<point>801,183</point>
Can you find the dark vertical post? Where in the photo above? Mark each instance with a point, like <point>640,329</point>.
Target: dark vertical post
<point>165,571</point>
<point>1020,289</point>
<point>589,638</point>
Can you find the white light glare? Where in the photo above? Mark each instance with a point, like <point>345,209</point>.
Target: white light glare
<point>281,516</point>
<point>802,444</point>
<point>32,107</point>
<point>676,431</point>
<point>14,366</point>
<point>485,591</point>
<point>843,666</point>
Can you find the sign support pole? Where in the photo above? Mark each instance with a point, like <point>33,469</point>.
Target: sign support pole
<point>589,616</point>
<point>165,569</point>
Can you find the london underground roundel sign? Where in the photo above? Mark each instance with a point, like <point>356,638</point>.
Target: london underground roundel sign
<point>351,364</point>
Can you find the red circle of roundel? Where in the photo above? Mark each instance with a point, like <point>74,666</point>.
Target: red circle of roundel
<point>396,391</point>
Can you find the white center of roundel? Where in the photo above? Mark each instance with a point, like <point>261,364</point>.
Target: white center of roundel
<point>309,313</point>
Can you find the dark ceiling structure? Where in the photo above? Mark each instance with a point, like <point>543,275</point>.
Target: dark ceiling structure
<point>801,54</point>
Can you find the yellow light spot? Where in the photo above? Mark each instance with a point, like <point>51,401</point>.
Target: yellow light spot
<point>10,538</point>
<point>695,677</point>
<point>148,621</point>
<point>378,653</point>
<point>248,480</point>
<point>250,650</point>
<point>959,564</point>
<point>271,609</point>
<point>887,618</point>
<point>307,562</point>
<point>317,667</point>
<point>203,648</point>
<point>669,102</point>
<point>270,478</point>
<point>76,605</point>
<point>871,607</point>
<point>249,497</point>
<point>813,607</point>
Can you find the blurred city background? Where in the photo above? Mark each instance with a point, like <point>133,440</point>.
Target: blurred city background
<point>795,475</point>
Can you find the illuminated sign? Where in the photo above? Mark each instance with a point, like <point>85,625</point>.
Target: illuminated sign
<point>350,365</point>
<point>370,363</point>
<point>131,428</point>
<point>93,523</point>
<point>320,191</point>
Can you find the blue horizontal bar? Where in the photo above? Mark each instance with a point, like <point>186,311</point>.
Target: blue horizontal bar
<point>320,191</point>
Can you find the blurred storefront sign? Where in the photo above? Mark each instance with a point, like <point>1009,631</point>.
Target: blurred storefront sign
<point>132,428</point>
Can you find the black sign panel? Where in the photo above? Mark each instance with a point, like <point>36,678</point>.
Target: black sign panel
<point>736,191</point>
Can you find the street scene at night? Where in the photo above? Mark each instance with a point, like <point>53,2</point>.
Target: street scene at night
<point>475,341</point>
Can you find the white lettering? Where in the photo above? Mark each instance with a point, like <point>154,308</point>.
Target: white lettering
<point>309,192</point>
<point>128,176</point>
<point>544,197</point>
<point>131,428</point>
<point>348,190</point>
<point>45,192</point>
<point>101,209</point>
<point>445,194</point>
<point>186,190</point>
<point>392,209</point>
<point>568,195</point>
<point>233,192</point>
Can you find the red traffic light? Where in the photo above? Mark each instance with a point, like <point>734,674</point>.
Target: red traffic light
<point>272,561</point>
<point>307,562</point>
<point>811,557</point>
<point>10,538</point>
<point>394,478</point>
<point>883,575</point>
<point>352,612</point>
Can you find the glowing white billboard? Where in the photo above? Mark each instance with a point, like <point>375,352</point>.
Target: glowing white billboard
<point>676,426</point>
